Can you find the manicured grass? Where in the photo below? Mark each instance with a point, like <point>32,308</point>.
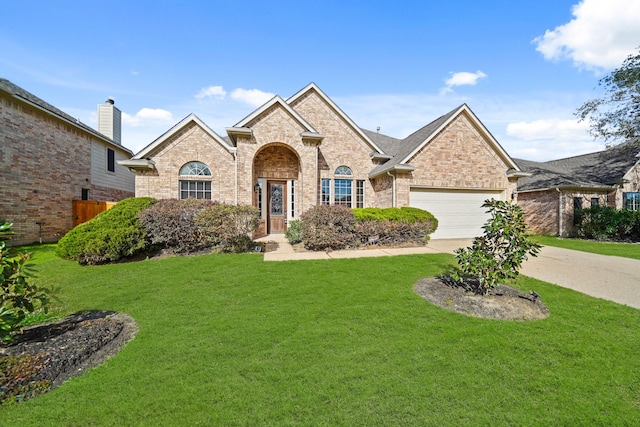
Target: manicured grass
<point>626,250</point>
<point>232,340</point>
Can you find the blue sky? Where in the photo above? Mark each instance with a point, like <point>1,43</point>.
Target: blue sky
<point>522,66</point>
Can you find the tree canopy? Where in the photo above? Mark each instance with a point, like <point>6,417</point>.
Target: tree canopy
<point>615,117</point>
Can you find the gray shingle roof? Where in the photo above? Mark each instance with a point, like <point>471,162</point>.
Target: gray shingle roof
<point>599,169</point>
<point>400,149</point>
<point>18,92</point>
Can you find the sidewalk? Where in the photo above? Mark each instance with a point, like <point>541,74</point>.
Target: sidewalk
<point>609,277</point>
<point>285,251</point>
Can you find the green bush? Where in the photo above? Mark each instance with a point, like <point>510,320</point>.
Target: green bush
<point>110,236</point>
<point>499,253</point>
<point>404,214</point>
<point>393,226</point>
<point>293,233</point>
<point>608,223</point>
<point>328,227</point>
<point>19,297</point>
<point>228,227</point>
<point>170,225</point>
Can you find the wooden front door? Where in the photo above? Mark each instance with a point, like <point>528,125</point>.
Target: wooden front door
<point>277,209</point>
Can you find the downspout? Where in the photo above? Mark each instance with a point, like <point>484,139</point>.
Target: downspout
<point>235,161</point>
<point>559,212</point>
<point>316,186</point>
<point>393,189</point>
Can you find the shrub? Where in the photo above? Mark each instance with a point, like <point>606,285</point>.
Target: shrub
<point>170,224</point>
<point>227,226</point>
<point>293,233</point>
<point>499,253</point>
<point>404,214</point>
<point>608,223</point>
<point>110,236</point>
<point>328,227</point>
<point>392,226</point>
<point>18,295</point>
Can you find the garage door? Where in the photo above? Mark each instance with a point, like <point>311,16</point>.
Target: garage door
<point>460,213</point>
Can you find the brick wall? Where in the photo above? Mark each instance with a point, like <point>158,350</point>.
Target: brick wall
<point>190,144</point>
<point>45,163</point>
<point>459,157</point>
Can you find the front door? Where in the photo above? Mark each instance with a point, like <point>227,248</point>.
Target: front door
<point>277,208</point>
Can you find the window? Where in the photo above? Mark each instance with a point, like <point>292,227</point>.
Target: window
<point>577,205</point>
<point>595,201</point>
<point>325,197</point>
<point>111,160</point>
<point>342,192</point>
<point>195,169</point>
<point>85,194</point>
<point>195,188</point>
<point>631,201</point>
<point>360,193</point>
<point>343,170</point>
<point>260,195</point>
<point>292,188</point>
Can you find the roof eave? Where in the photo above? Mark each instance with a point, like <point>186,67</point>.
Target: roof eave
<point>138,164</point>
<point>393,169</point>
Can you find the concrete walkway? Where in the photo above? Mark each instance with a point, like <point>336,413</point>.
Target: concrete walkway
<point>609,277</point>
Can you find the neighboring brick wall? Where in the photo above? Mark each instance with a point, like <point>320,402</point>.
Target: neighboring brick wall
<point>540,211</point>
<point>45,165</point>
<point>457,158</point>
<point>190,144</point>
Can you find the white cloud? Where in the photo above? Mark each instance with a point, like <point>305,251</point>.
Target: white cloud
<point>600,36</point>
<point>548,129</point>
<point>463,78</point>
<point>254,97</point>
<point>146,116</point>
<point>217,92</point>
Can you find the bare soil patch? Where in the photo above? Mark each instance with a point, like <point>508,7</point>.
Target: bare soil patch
<point>502,302</point>
<point>67,348</point>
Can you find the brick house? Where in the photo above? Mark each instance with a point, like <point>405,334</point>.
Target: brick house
<point>290,155</point>
<point>49,158</point>
<point>555,189</point>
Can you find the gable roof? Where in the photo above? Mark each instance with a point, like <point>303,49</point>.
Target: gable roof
<point>594,170</point>
<point>25,96</point>
<point>191,118</point>
<point>412,144</point>
<point>312,87</point>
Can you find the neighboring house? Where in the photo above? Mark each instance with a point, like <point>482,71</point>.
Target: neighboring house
<point>290,155</point>
<point>49,158</point>
<point>555,189</point>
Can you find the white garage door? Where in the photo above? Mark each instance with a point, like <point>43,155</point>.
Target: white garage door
<point>460,213</point>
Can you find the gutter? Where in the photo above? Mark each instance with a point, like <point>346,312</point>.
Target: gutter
<point>559,211</point>
<point>393,189</point>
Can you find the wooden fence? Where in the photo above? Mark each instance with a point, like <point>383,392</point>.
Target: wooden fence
<point>84,210</point>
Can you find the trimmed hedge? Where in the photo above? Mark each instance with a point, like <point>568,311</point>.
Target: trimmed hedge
<point>336,227</point>
<point>608,223</point>
<point>228,227</point>
<point>328,227</point>
<point>170,225</point>
<point>110,236</point>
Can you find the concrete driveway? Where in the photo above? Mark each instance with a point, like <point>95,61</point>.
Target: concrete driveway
<point>608,277</point>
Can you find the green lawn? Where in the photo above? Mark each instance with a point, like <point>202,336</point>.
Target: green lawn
<point>232,340</point>
<point>627,250</point>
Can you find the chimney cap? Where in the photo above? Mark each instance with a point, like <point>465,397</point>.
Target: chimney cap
<point>110,101</point>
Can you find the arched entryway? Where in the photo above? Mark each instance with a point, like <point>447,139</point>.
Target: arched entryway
<point>276,174</point>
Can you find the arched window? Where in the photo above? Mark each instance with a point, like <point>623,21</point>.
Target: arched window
<point>343,170</point>
<point>199,188</point>
<point>195,169</point>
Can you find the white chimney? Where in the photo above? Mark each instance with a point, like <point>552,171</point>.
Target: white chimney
<point>109,120</point>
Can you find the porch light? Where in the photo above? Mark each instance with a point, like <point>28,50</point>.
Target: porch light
<point>256,187</point>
